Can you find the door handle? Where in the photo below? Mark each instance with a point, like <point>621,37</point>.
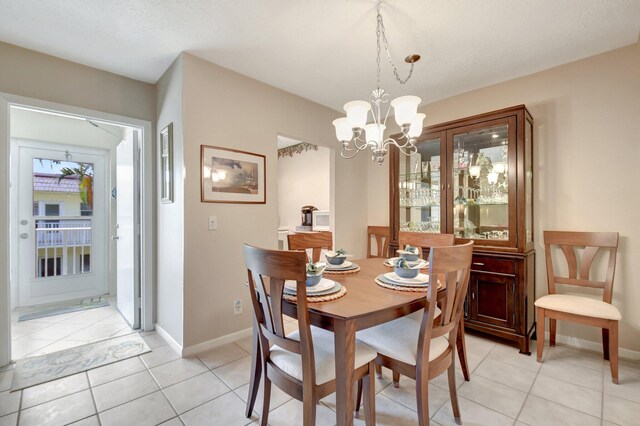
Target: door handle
<point>115,237</point>
<point>24,235</point>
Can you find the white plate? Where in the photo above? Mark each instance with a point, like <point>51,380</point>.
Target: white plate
<point>420,279</point>
<point>323,285</point>
<point>345,264</point>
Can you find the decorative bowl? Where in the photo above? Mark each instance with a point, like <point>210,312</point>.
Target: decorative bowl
<point>404,270</point>
<point>407,255</point>
<point>313,280</point>
<point>338,259</point>
<point>406,273</point>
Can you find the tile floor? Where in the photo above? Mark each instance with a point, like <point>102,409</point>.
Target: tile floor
<point>51,334</point>
<point>569,387</point>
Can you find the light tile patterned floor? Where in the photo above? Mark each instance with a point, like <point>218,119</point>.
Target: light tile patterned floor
<point>570,387</point>
<point>45,335</point>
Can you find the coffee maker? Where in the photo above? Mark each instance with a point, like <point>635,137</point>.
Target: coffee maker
<point>307,215</point>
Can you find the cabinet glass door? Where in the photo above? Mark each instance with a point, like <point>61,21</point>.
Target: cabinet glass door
<point>420,188</point>
<point>483,182</point>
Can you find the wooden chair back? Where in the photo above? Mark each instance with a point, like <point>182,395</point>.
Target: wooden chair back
<point>382,235</point>
<point>451,266</point>
<point>424,240</point>
<point>579,271</point>
<point>276,267</point>
<point>316,241</point>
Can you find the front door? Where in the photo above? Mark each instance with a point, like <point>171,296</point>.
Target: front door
<point>62,223</point>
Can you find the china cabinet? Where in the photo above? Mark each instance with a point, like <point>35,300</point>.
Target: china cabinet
<point>473,178</point>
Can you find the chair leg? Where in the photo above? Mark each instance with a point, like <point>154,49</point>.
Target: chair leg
<point>605,343</point>
<point>613,350</point>
<point>308,409</point>
<point>396,379</point>
<point>453,393</point>
<point>379,371</point>
<point>462,350</point>
<point>540,332</point>
<point>552,332</point>
<point>369,397</point>
<point>256,372</point>
<point>422,399</point>
<point>266,399</point>
<point>358,397</point>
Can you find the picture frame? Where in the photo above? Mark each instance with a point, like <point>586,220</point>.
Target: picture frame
<point>166,164</point>
<point>232,176</point>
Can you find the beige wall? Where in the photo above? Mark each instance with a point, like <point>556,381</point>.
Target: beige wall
<point>36,75</point>
<point>303,179</point>
<point>170,216</point>
<point>587,152</point>
<point>223,108</point>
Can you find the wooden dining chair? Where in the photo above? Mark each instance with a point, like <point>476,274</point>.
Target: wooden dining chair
<point>423,350</point>
<point>382,235</point>
<point>302,363</point>
<point>425,241</point>
<point>316,241</point>
<point>581,309</point>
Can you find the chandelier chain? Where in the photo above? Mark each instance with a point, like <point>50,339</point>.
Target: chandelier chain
<point>380,33</point>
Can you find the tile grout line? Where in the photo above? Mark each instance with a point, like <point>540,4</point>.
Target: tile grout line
<point>93,398</point>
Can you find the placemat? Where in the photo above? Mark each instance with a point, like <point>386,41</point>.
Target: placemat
<point>313,299</point>
<point>405,288</point>
<point>341,272</point>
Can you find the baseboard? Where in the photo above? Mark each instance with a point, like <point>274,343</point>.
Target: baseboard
<point>210,344</point>
<point>167,337</point>
<point>589,345</point>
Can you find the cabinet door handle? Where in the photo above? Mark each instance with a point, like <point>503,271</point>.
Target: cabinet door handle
<point>478,263</point>
<point>473,296</point>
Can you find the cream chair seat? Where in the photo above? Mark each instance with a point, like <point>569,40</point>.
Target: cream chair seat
<point>324,356</point>
<point>579,305</point>
<point>398,339</point>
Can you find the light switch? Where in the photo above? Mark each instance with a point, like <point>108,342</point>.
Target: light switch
<point>213,222</point>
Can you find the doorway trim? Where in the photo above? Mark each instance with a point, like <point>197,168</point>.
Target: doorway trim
<point>147,237</point>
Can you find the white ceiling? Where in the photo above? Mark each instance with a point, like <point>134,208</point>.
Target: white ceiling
<point>324,50</point>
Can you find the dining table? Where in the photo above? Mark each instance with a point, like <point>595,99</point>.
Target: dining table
<point>365,304</point>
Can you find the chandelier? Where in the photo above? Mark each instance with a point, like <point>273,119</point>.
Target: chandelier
<point>356,134</point>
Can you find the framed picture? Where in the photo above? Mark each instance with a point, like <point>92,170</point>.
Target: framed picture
<point>232,176</point>
<point>166,164</point>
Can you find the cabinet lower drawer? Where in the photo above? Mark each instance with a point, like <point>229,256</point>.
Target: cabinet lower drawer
<point>493,264</point>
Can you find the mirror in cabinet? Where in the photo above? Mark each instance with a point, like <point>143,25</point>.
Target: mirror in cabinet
<point>420,186</point>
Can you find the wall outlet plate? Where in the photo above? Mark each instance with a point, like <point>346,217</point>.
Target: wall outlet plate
<point>237,307</point>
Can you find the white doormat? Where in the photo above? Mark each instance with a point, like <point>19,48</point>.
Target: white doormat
<point>44,368</point>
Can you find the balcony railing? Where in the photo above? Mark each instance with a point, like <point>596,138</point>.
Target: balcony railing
<point>63,233</point>
<point>63,246</point>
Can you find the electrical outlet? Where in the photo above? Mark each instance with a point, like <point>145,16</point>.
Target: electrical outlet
<point>237,307</point>
<point>213,223</point>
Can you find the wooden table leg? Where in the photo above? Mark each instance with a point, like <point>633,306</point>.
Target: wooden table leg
<point>256,372</point>
<point>462,350</point>
<point>344,338</point>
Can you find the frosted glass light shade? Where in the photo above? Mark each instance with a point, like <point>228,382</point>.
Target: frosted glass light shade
<point>344,130</point>
<point>474,171</point>
<point>492,178</point>
<point>374,132</point>
<point>357,113</point>
<point>416,125</point>
<point>405,109</point>
<point>499,167</point>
